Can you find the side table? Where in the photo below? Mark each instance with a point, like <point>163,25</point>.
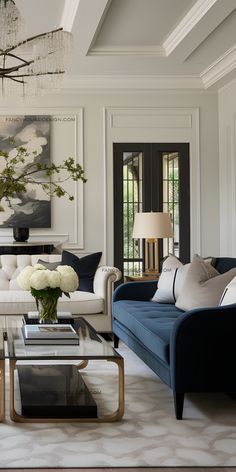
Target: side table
<point>141,277</point>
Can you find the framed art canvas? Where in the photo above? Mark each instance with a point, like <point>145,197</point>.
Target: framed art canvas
<point>31,209</point>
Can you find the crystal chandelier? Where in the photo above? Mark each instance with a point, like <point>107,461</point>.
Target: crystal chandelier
<point>32,64</point>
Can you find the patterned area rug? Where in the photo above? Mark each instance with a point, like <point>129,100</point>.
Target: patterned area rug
<point>148,435</point>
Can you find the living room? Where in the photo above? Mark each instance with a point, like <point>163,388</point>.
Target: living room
<point>143,72</point>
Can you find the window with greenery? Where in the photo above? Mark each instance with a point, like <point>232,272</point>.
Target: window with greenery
<point>150,177</point>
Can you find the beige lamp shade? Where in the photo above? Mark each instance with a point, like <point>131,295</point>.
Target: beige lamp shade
<point>150,225</point>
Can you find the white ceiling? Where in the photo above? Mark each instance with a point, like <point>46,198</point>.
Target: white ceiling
<point>142,43</point>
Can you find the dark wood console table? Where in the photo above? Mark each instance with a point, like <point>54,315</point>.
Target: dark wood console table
<point>26,248</point>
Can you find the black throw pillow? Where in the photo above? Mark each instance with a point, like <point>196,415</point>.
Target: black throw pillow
<point>84,267</point>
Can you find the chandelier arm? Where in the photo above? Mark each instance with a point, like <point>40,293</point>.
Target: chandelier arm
<point>15,80</point>
<point>37,74</point>
<point>28,40</point>
<point>15,68</point>
<point>18,57</point>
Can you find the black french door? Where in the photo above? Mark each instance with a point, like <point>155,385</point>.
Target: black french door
<point>150,177</point>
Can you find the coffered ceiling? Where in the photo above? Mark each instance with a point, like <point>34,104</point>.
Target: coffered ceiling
<point>146,44</point>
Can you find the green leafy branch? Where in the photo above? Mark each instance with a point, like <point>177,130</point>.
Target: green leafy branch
<point>52,176</point>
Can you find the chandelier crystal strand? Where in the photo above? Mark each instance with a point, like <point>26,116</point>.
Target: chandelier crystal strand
<point>28,65</point>
<point>11,24</point>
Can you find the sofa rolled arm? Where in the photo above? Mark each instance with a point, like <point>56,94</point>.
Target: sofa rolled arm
<point>203,350</point>
<point>103,284</point>
<point>135,291</point>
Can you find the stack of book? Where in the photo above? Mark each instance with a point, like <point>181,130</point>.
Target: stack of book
<point>49,334</point>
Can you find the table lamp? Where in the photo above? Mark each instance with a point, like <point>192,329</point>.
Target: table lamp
<point>152,226</point>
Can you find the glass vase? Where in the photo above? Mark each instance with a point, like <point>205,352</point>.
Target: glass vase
<point>47,308</point>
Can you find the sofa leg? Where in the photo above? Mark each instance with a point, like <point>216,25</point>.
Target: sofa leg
<point>179,405</point>
<point>116,341</point>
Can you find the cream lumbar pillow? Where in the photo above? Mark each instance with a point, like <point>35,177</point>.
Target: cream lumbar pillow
<point>229,295</point>
<point>165,290</point>
<point>203,285</point>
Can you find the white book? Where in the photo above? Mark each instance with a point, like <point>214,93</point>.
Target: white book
<point>49,331</point>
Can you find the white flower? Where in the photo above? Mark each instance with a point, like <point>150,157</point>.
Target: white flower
<point>39,280</point>
<point>69,281</point>
<point>65,269</point>
<point>39,266</point>
<point>54,278</point>
<point>23,278</point>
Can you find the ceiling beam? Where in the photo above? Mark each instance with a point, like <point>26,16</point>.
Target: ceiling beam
<point>68,14</point>
<point>197,24</point>
<point>88,21</point>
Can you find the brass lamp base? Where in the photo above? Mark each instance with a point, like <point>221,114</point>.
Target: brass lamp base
<point>151,256</point>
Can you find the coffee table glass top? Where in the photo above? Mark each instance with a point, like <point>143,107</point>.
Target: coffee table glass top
<point>91,346</point>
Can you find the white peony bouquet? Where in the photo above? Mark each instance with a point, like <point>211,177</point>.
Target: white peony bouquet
<point>47,286</point>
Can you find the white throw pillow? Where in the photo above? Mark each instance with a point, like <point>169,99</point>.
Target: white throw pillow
<point>165,290</point>
<point>203,286</point>
<point>229,295</point>
<point>172,279</point>
<point>180,279</point>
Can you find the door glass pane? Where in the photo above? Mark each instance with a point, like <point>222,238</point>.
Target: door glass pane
<point>132,203</point>
<point>171,199</point>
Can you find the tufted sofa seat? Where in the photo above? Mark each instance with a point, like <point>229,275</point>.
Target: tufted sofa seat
<point>95,307</point>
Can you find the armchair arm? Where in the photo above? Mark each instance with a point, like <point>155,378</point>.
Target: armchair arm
<point>203,350</point>
<point>135,291</point>
<point>103,284</point>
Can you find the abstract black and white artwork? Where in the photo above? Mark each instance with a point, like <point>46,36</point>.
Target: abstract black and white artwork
<point>31,209</point>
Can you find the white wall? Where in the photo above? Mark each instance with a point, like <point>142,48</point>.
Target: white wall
<point>227,157</point>
<point>96,219</point>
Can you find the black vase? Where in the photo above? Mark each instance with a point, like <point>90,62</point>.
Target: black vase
<point>20,234</point>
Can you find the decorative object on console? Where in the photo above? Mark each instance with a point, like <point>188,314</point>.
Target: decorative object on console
<point>85,267</point>
<point>30,64</point>
<point>152,226</point>
<point>47,286</point>
<point>20,234</point>
<point>27,178</point>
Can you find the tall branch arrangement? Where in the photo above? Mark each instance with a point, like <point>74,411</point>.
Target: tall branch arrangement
<point>16,174</point>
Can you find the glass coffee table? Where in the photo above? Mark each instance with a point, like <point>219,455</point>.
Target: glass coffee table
<point>54,392</point>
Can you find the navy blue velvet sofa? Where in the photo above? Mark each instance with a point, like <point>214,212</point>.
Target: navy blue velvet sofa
<point>192,351</point>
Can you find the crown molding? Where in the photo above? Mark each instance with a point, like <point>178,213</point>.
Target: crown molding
<point>132,83</point>
<point>219,68</point>
<point>186,25</point>
<point>127,51</point>
<point>69,13</point>
<point>227,87</point>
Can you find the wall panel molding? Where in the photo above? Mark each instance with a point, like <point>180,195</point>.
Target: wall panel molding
<point>130,124</point>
